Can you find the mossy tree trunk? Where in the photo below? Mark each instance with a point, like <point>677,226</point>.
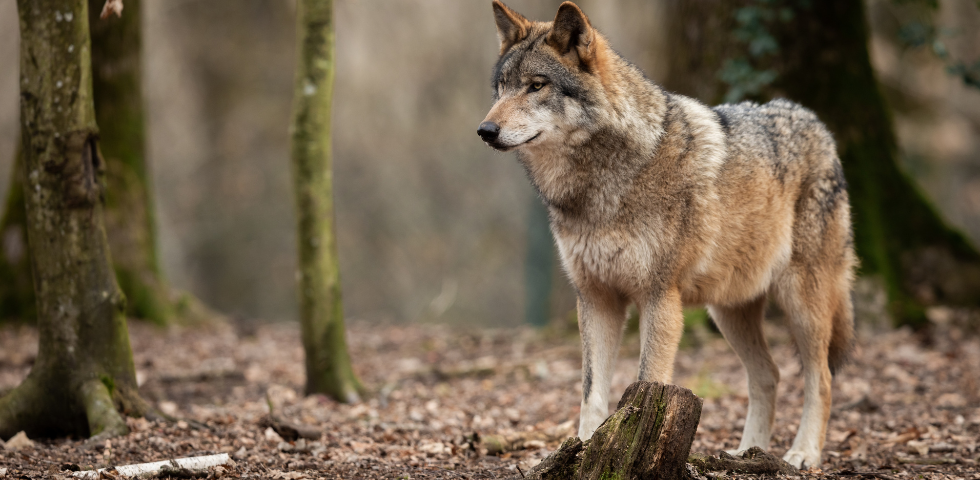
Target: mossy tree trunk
<point>823,63</point>
<point>328,366</point>
<point>83,377</point>
<point>117,86</point>
<point>129,222</point>
<point>16,288</point>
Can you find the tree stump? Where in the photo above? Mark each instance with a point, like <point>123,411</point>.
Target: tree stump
<point>649,436</point>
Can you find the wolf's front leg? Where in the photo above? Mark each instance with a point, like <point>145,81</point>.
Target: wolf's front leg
<point>600,322</point>
<point>661,327</point>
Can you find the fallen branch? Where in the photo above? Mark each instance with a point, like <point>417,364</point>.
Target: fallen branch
<point>175,467</point>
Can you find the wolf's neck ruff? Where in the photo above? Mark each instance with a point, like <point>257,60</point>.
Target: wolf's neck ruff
<point>605,143</point>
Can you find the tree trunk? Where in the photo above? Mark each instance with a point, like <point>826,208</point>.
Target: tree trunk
<point>16,288</point>
<point>649,436</point>
<point>83,376</point>
<point>129,222</point>
<point>698,33</point>
<point>116,83</point>
<point>328,367</point>
<point>823,63</point>
<point>538,266</point>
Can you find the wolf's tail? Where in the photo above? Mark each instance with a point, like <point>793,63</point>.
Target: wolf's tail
<point>842,336</point>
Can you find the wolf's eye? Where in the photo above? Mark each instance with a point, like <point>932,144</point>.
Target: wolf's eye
<point>536,86</point>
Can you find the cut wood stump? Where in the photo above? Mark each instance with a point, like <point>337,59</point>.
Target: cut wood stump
<point>649,436</point>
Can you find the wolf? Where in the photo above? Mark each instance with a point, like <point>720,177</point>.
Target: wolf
<point>659,201</point>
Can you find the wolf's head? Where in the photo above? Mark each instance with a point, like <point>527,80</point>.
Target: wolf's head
<point>547,82</point>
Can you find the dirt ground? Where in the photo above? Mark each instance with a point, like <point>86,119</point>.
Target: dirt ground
<point>907,406</point>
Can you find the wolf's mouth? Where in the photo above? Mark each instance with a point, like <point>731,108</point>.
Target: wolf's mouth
<point>506,148</point>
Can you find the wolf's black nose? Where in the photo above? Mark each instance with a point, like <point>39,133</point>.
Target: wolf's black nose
<point>488,131</point>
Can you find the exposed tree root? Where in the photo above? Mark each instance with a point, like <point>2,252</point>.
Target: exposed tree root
<point>104,421</point>
<point>754,461</point>
<point>16,409</point>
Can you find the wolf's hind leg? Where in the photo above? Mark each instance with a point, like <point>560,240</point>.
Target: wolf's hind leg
<point>742,327</point>
<point>810,308</point>
<point>600,322</point>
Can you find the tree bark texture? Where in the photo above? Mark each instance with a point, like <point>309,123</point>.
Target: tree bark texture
<point>83,376</point>
<point>823,63</point>
<point>648,437</point>
<point>328,367</point>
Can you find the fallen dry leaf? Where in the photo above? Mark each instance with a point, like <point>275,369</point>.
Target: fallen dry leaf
<point>19,441</point>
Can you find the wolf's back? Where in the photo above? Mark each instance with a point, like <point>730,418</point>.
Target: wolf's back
<point>799,151</point>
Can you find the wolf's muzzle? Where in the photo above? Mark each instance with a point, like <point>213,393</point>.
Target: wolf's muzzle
<point>488,131</point>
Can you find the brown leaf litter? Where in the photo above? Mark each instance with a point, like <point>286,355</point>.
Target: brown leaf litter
<point>908,405</point>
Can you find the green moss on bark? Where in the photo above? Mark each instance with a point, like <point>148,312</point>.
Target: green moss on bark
<point>649,436</point>
<point>117,89</point>
<point>328,367</point>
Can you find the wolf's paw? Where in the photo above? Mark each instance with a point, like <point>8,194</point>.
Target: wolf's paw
<point>736,452</point>
<point>802,459</point>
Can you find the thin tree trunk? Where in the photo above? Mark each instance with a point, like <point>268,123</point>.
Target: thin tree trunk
<point>116,83</point>
<point>83,376</point>
<point>823,63</point>
<point>328,367</point>
<point>538,266</point>
<point>16,287</point>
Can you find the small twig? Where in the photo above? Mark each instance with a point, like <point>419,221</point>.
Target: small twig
<point>520,471</point>
<point>852,473</point>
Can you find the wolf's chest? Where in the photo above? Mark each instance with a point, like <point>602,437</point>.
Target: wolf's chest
<point>616,259</point>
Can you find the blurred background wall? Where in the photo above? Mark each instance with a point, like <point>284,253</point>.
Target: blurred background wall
<point>431,223</point>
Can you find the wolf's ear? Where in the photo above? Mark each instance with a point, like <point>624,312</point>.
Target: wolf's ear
<point>512,27</point>
<point>572,34</point>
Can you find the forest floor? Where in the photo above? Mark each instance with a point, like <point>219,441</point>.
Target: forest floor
<point>907,406</point>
